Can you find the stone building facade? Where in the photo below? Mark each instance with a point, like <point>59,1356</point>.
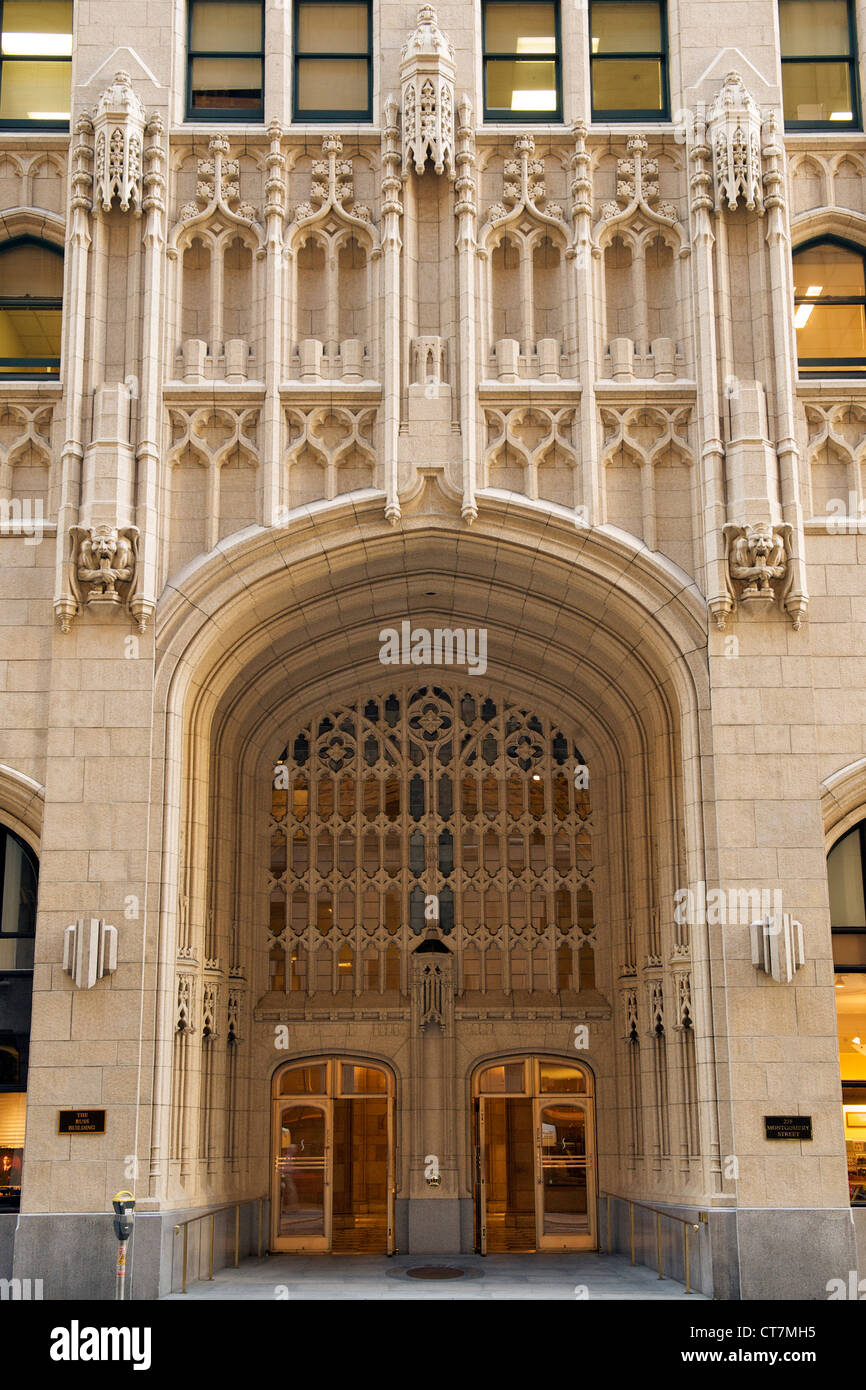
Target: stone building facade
<point>325,365</point>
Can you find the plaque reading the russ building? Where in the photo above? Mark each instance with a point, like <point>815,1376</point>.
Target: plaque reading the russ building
<point>81,1122</point>
<point>788,1126</point>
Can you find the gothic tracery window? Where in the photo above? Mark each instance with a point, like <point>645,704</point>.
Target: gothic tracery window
<point>435,811</point>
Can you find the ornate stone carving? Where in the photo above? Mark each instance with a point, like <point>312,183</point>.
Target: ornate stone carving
<point>101,559</point>
<point>630,1011</point>
<point>433,981</point>
<point>532,439</point>
<point>184,1004</point>
<point>758,554</point>
<point>734,136</point>
<point>777,946</point>
<point>523,188</point>
<point>427,91</point>
<point>89,951</point>
<point>218,188</point>
<point>637,187</point>
<point>209,1009</point>
<point>119,132</point>
<point>331,188</point>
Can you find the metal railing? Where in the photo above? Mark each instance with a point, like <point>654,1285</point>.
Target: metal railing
<point>211,1216</point>
<point>660,1214</point>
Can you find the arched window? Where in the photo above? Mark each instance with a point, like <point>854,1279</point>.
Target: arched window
<point>431,812</point>
<point>830,312</point>
<point>846,863</point>
<point>31,301</point>
<point>19,873</point>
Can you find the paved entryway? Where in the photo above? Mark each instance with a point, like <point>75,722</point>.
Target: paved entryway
<point>572,1277</point>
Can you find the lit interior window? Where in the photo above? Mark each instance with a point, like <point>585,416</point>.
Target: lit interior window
<point>818,62</point>
<point>35,62</point>
<point>830,308</point>
<point>521,64</point>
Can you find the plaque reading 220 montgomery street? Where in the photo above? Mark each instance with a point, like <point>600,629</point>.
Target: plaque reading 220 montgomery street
<point>788,1126</point>
<point>81,1122</point>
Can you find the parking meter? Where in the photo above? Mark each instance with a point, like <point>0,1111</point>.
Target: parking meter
<point>124,1216</point>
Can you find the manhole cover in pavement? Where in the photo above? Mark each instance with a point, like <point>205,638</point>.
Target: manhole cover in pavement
<point>435,1272</point>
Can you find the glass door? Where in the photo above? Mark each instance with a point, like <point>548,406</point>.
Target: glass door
<point>302,1181</point>
<point>534,1157</point>
<point>562,1176</point>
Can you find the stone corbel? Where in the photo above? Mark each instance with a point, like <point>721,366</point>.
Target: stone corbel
<point>758,564</point>
<point>118,125</point>
<point>89,951</point>
<point>102,574</point>
<point>427,97</point>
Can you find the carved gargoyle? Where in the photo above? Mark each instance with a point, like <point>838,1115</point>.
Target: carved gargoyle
<point>758,554</point>
<point>101,559</point>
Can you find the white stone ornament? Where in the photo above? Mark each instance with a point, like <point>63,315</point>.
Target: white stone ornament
<point>759,559</point>
<point>118,127</point>
<point>734,136</point>
<point>101,558</point>
<point>777,946</point>
<point>427,97</point>
<point>89,951</point>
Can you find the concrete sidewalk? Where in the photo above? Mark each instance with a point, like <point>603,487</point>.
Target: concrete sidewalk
<point>543,1276</point>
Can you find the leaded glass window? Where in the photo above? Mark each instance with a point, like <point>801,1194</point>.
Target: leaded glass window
<point>437,811</point>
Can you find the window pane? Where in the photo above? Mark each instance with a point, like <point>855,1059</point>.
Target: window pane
<point>619,28</point>
<point>627,84</point>
<point>26,333</point>
<point>519,29</point>
<point>300,1081</point>
<point>810,29</point>
<point>362,1080</point>
<point>502,1079</point>
<point>37,27</point>
<point>35,91</point>
<point>332,29</point>
<point>817,92</point>
<point>845,877</point>
<point>827,269</point>
<point>831,330</point>
<point>521,86</point>
<point>30,269</point>
<point>332,85</point>
<point>235,83</point>
<point>235,28</point>
<point>556,1076</point>
<point>849,951</point>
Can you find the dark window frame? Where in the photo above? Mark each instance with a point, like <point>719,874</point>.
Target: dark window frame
<point>29,302</point>
<point>856,1085</point>
<point>22,1039</point>
<point>662,57</point>
<point>493,115</point>
<point>223,113</point>
<point>852,58</point>
<point>300,115</point>
<point>853,367</point>
<point>21,122</point>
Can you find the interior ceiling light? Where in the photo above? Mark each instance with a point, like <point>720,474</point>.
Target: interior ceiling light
<point>36,45</point>
<point>48,115</point>
<point>522,100</point>
<point>840,115</point>
<point>537,45</point>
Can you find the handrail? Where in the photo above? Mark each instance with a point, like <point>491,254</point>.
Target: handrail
<point>212,1215</point>
<point>688,1227</point>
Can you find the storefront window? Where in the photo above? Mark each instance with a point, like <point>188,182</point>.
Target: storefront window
<point>18,883</point>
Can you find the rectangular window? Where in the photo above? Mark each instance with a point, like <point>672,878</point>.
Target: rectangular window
<point>226,60</point>
<point>522,78</point>
<point>35,63</point>
<point>819,65</point>
<point>333,60</point>
<point>628,60</point>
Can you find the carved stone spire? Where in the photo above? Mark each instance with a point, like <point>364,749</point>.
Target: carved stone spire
<point>119,129</point>
<point>427,90</point>
<point>734,131</point>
